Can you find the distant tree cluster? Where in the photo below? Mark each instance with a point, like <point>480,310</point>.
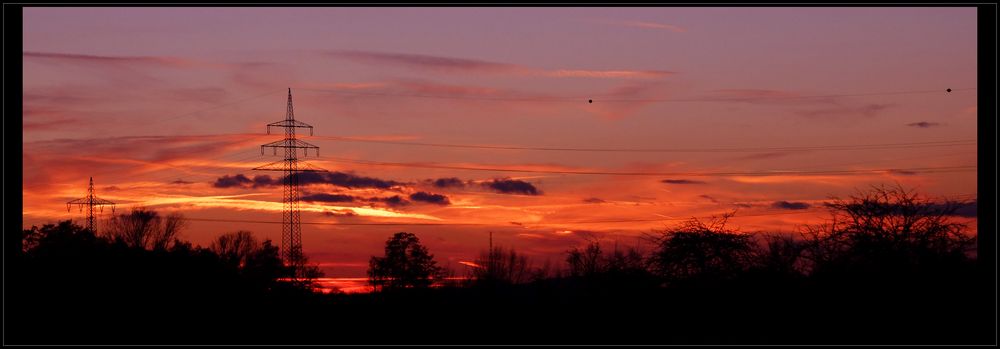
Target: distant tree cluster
<point>143,228</point>
<point>141,234</point>
<point>884,231</point>
<point>406,264</point>
<point>887,230</point>
<point>503,266</point>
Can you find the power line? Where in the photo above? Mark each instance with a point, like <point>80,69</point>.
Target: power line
<point>746,99</point>
<point>494,224</point>
<point>670,150</point>
<point>647,100</point>
<point>189,176</point>
<point>196,112</point>
<point>220,157</point>
<point>321,223</point>
<point>691,174</point>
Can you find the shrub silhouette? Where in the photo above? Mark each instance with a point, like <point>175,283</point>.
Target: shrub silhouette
<point>235,248</point>
<point>259,262</point>
<point>697,251</point>
<point>502,266</point>
<point>888,231</point>
<point>406,264</point>
<point>144,228</point>
<point>585,262</point>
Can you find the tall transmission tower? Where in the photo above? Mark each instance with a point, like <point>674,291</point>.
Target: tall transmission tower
<point>291,229</point>
<point>91,201</point>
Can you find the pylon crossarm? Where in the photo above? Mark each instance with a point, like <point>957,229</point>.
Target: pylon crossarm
<point>102,202</point>
<point>290,143</point>
<point>307,167</point>
<point>282,165</point>
<point>274,166</point>
<point>288,124</point>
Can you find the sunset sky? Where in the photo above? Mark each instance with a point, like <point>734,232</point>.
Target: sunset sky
<point>695,112</point>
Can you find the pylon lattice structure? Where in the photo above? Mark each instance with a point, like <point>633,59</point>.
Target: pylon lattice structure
<point>90,202</point>
<point>291,229</point>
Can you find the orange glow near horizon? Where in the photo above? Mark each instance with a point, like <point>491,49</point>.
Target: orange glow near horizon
<point>548,141</point>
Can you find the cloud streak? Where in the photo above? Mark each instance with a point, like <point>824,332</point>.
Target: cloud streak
<point>424,61</point>
<point>340,179</point>
<point>466,66</point>
<point>451,182</point>
<point>647,25</point>
<point>512,186</point>
<point>923,124</point>
<point>786,205</point>
<point>161,61</point>
<point>323,197</point>
<point>681,181</point>
<point>867,110</point>
<point>430,198</point>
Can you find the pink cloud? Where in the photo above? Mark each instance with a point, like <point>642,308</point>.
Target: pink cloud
<point>202,94</point>
<point>463,65</point>
<point>866,110</point>
<point>609,74</point>
<point>629,91</point>
<point>762,156</point>
<point>821,106</point>
<point>49,124</point>
<point>765,96</point>
<point>424,61</point>
<point>651,25</point>
<point>164,61</point>
<point>425,88</point>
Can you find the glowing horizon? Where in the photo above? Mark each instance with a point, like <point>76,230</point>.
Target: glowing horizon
<point>567,124</point>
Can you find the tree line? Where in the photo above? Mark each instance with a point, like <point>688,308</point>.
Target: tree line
<point>883,232</point>
<point>898,266</point>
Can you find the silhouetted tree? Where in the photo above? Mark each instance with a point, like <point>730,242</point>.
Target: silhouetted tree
<point>57,239</point>
<point>502,266</point>
<point>782,255</point>
<point>586,261</point>
<point>625,262</point>
<point>145,229</point>
<point>235,248</point>
<point>618,269</point>
<point>406,264</point>
<point>888,229</point>
<point>703,251</point>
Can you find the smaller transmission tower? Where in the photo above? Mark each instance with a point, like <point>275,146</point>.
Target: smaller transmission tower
<point>91,201</point>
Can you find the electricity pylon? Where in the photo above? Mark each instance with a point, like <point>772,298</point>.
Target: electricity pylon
<point>291,228</point>
<point>91,201</point>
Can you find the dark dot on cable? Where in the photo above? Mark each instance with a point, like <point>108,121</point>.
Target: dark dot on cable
<point>949,90</point>
<point>590,101</point>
